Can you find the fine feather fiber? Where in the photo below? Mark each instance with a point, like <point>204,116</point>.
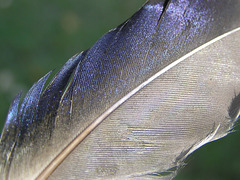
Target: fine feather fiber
<point>139,101</point>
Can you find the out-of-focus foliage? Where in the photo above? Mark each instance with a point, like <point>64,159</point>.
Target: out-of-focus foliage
<point>38,36</point>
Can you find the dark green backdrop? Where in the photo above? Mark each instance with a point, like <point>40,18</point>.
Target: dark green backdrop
<point>38,36</point>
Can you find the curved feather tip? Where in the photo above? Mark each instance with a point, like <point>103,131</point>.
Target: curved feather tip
<point>137,103</point>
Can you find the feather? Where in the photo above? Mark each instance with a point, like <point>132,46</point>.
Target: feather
<point>137,103</point>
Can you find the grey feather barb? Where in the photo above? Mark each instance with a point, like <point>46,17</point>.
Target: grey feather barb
<point>137,103</point>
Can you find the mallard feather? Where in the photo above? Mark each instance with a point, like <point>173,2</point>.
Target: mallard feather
<point>137,103</point>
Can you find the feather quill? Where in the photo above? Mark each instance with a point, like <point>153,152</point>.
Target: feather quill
<point>137,103</point>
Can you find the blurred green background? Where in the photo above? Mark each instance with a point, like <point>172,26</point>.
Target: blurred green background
<point>38,36</point>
